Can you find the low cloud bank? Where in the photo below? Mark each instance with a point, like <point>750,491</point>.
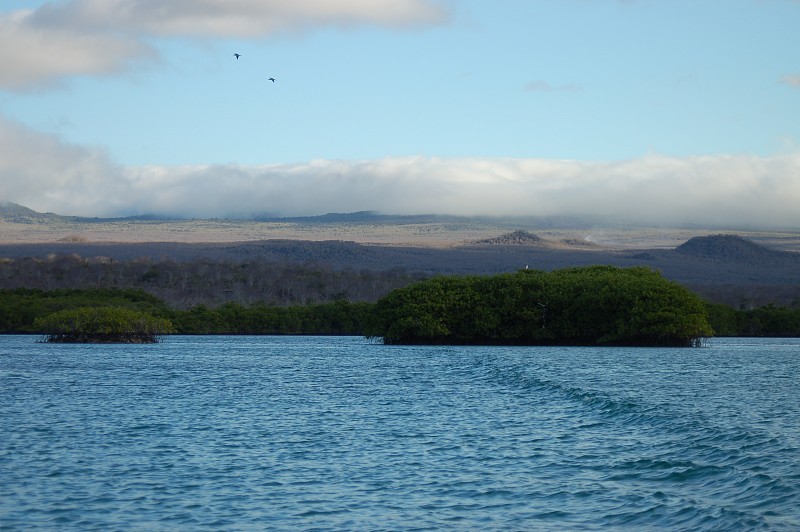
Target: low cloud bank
<point>41,172</point>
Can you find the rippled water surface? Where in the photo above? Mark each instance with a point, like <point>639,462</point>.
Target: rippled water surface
<point>305,433</point>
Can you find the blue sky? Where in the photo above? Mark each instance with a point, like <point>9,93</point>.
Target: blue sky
<point>651,111</point>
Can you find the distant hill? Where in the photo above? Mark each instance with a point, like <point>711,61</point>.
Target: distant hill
<point>12,209</point>
<point>331,217</point>
<point>14,213</point>
<point>515,238</point>
<point>733,249</point>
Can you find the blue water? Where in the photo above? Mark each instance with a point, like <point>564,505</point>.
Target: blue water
<point>313,433</point>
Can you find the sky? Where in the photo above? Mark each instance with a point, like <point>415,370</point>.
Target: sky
<point>678,112</point>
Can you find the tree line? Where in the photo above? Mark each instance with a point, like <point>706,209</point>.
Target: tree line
<point>767,321</point>
<point>187,284</point>
<point>21,307</point>
<point>567,306</point>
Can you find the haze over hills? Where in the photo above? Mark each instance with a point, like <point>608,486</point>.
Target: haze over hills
<point>21,225</point>
<point>736,269</point>
<point>15,213</point>
<point>742,270</point>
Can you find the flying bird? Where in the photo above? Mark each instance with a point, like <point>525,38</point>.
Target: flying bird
<point>272,80</point>
<point>237,56</point>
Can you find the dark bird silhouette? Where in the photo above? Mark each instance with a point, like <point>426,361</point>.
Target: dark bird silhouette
<point>237,56</point>
<point>272,80</point>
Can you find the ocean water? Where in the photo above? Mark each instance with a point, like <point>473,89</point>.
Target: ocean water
<point>320,433</point>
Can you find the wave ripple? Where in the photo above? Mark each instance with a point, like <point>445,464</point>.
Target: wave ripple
<point>341,434</point>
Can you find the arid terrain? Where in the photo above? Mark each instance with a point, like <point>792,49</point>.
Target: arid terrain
<point>19,225</point>
<point>740,268</point>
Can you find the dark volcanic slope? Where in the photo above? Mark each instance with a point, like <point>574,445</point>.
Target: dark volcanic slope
<point>721,268</point>
<point>735,249</point>
<point>726,259</point>
<point>733,270</point>
<point>718,259</point>
<point>335,254</point>
<point>729,258</point>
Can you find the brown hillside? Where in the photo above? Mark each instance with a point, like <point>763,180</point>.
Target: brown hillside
<point>515,238</point>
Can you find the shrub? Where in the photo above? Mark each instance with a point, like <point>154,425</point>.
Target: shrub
<point>102,325</point>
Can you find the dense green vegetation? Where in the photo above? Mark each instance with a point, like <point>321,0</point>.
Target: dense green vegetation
<point>768,321</point>
<point>20,308</point>
<point>339,318</point>
<point>597,305</point>
<point>102,325</point>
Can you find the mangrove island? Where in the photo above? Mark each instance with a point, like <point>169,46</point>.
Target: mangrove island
<point>596,305</point>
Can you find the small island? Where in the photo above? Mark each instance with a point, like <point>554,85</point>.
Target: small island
<point>102,325</point>
<point>589,306</point>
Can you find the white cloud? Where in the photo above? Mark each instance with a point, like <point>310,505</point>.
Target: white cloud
<point>32,56</point>
<point>55,176</point>
<point>44,173</point>
<point>74,37</point>
<point>233,18</point>
<point>791,80</point>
